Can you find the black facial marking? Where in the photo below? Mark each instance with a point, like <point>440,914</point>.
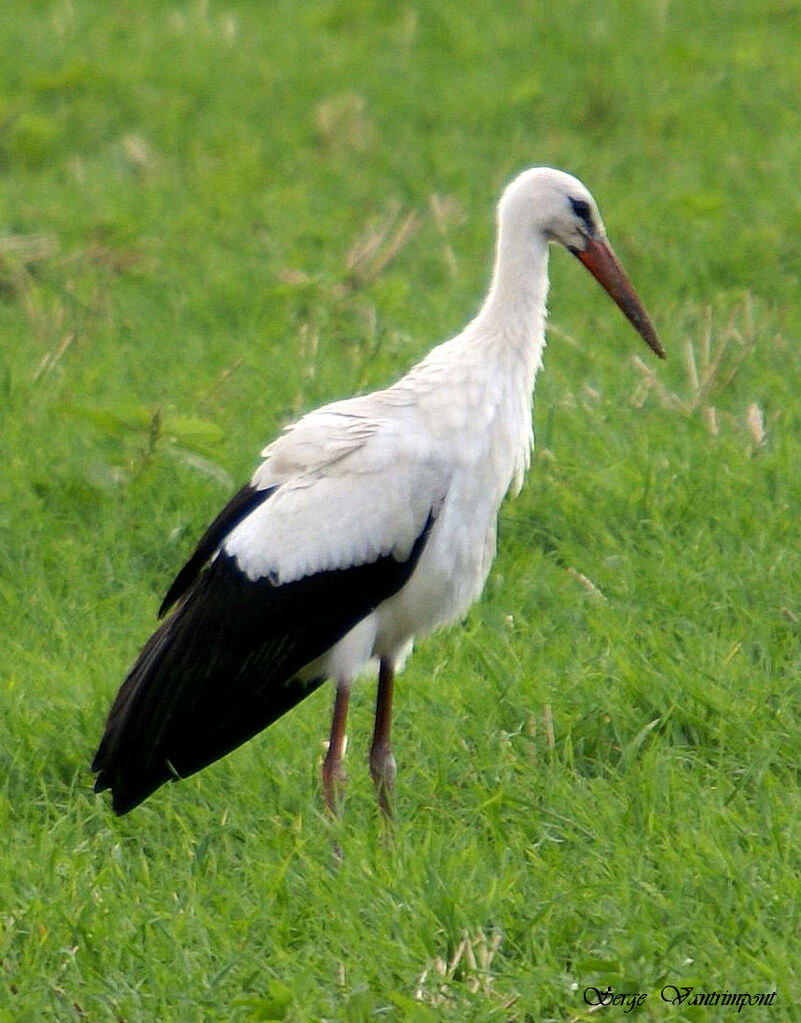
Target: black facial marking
<point>582,210</point>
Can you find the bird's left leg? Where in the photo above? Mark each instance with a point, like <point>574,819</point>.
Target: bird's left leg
<point>382,762</point>
<point>334,776</point>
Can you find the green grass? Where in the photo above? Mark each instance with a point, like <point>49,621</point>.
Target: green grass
<point>593,791</point>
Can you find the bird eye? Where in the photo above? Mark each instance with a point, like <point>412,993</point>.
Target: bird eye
<point>582,210</point>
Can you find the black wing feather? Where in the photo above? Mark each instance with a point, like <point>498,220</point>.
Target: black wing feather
<point>240,506</point>
<point>225,665</point>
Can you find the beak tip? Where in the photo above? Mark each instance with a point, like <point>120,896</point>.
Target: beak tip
<point>656,345</point>
<point>599,258</point>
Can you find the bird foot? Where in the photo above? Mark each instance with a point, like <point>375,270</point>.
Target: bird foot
<point>383,769</point>
<point>335,779</point>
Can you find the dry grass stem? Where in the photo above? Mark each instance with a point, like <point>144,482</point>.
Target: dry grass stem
<point>692,369</point>
<point>446,211</point>
<point>550,736</point>
<point>19,254</point>
<point>26,249</point>
<point>50,359</point>
<point>222,379</point>
<point>308,342</point>
<point>588,584</point>
<point>293,276</point>
<point>341,122</point>
<point>555,330</point>
<point>531,732</point>
<point>379,244</point>
<point>755,420</point>
<point>590,1009</point>
<point>711,365</point>
<point>139,152</point>
<point>471,960</point>
<point>711,419</point>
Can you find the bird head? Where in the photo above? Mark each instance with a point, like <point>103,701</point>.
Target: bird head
<point>556,206</point>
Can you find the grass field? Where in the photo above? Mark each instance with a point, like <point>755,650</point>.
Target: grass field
<point>216,215</point>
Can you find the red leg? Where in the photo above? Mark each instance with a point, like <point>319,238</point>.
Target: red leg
<point>334,776</point>
<point>382,762</point>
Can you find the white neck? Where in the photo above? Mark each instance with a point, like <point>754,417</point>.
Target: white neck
<point>509,330</point>
<point>514,310</point>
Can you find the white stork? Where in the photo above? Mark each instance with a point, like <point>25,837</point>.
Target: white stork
<point>370,522</point>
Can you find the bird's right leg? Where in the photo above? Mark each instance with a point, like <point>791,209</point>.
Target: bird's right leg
<point>334,776</point>
<point>382,762</point>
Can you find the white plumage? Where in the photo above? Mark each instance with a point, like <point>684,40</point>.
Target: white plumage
<point>379,512</point>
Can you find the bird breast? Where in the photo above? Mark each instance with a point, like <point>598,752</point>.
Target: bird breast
<point>481,426</point>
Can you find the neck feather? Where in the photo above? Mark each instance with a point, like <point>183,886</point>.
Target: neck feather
<point>514,310</point>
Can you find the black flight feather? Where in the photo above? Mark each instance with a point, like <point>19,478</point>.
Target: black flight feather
<point>240,505</point>
<point>225,665</point>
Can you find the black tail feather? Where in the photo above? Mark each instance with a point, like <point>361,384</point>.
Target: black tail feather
<point>226,664</point>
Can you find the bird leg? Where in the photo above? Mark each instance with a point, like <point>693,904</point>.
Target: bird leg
<point>333,772</point>
<point>382,762</point>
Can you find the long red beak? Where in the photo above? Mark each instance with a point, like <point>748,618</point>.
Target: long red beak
<point>603,264</point>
